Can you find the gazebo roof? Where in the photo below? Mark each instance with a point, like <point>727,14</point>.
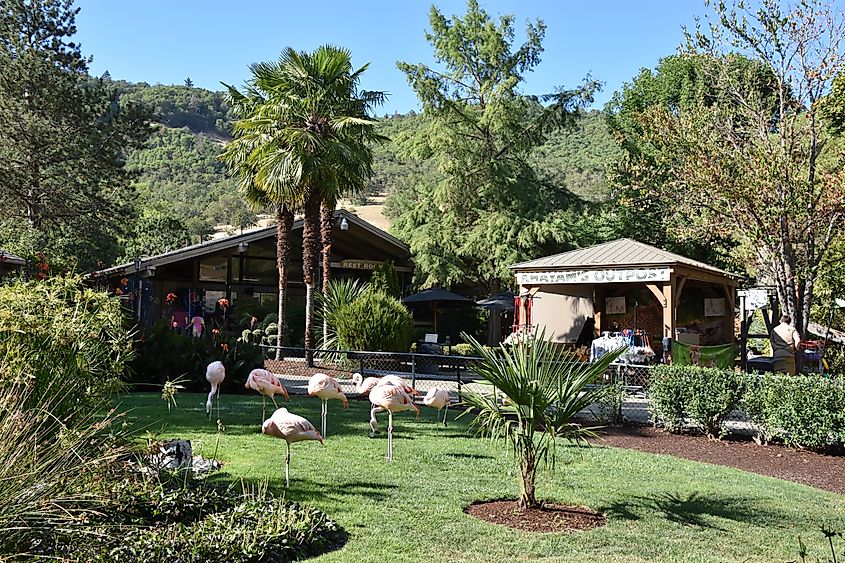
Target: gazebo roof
<point>619,253</point>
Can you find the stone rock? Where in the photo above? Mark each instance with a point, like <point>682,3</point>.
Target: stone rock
<point>172,454</point>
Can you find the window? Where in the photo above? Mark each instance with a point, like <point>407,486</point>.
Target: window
<point>214,269</point>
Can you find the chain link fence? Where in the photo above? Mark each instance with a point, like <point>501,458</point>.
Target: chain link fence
<point>454,373</point>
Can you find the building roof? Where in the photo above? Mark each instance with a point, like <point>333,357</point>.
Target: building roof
<point>10,258</point>
<point>233,241</point>
<point>621,253</point>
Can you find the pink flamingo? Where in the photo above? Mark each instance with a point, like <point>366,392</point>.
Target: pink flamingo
<point>326,388</point>
<point>438,398</point>
<point>215,373</point>
<point>391,399</point>
<point>364,385</point>
<point>268,385</point>
<point>291,428</point>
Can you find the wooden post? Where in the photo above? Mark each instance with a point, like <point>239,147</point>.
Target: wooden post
<point>669,308</point>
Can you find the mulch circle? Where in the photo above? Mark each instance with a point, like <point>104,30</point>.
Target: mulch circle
<point>800,466</point>
<point>548,518</point>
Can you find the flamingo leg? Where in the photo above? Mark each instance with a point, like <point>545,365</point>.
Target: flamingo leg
<point>287,464</point>
<point>323,414</point>
<point>275,404</point>
<point>445,416</point>
<point>373,421</point>
<point>218,404</point>
<point>263,408</point>
<point>389,435</point>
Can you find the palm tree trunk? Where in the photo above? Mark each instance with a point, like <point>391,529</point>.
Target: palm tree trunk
<point>310,245</point>
<point>284,225</point>
<point>529,471</point>
<point>326,226</point>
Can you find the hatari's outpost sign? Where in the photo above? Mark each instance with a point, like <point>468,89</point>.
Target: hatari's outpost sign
<point>627,275</point>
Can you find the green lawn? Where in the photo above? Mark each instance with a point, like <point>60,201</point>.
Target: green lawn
<point>659,508</point>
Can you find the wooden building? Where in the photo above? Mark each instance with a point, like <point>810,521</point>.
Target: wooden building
<point>242,268</point>
<point>627,284</point>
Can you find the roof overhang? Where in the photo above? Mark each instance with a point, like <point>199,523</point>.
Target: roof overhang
<point>234,241</point>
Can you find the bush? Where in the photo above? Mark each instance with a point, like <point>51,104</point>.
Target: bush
<point>803,411</point>
<point>164,354</point>
<point>704,395</point>
<point>164,516</point>
<point>609,404</point>
<point>59,329</point>
<point>257,529</point>
<point>376,322</point>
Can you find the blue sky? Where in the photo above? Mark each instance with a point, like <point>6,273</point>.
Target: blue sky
<point>165,41</point>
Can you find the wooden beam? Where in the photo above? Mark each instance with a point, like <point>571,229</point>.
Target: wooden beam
<point>660,295</point>
<point>669,309</point>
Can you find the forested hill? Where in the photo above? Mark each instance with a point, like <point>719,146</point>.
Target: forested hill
<point>181,183</point>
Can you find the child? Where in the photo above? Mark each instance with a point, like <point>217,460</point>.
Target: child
<point>198,325</point>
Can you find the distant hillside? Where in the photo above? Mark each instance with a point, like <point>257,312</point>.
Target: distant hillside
<point>179,174</point>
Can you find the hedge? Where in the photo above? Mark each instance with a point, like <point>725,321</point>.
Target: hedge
<point>705,396</point>
<point>802,411</point>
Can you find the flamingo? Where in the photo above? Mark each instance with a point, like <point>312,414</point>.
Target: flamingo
<point>215,373</point>
<point>364,385</point>
<point>325,387</point>
<point>438,399</point>
<point>291,428</point>
<point>268,385</point>
<point>397,381</point>
<point>391,399</point>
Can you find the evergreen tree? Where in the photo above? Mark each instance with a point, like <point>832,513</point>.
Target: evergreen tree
<point>63,137</point>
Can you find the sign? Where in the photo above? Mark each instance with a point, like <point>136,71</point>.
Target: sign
<point>634,275</point>
<point>359,264</point>
<point>755,299</point>
<point>615,305</point>
<point>714,307</point>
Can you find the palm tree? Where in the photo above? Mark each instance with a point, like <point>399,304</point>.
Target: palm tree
<point>537,391</point>
<point>247,157</point>
<point>305,142</point>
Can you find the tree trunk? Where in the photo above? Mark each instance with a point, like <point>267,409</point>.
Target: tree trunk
<point>494,319</point>
<point>529,471</point>
<point>326,226</point>
<point>310,246</point>
<point>284,225</point>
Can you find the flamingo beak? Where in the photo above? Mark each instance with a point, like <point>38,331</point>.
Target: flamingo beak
<point>320,438</point>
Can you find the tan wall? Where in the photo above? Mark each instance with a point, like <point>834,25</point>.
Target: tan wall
<point>561,309</point>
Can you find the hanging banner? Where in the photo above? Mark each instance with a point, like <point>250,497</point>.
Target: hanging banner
<point>705,356</point>
<point>614,275</point>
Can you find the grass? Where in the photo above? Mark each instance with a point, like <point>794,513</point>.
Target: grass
<point>659,508</point>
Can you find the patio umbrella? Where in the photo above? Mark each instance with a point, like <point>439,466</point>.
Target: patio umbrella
<point>499,302</point>
<point>434,296</point>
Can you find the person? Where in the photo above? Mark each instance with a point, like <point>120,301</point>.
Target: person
<point>198,325</point>
<point>785,340</point>
<point>179,319</point>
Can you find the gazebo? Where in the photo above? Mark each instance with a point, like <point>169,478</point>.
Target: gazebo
<point>627,284</point>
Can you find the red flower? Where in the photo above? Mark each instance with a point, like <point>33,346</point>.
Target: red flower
<point>171,297</point>
<point>118,291</point>
<point>124,281</point>
<point>225,347</point>
<point>215,332</point>
<point>223,302</point>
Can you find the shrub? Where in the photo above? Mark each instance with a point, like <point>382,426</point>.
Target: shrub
<point>58,328</point>
<point>609,404</point>
<point>48,461</point>
<point>542,392</point>
<point>341,293</point>
<point>384,279</point>
<point>164,354</point>
<point>704,395</point>
<point>374,321</point>
<point>803,411</point>
<point>257,529</point>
